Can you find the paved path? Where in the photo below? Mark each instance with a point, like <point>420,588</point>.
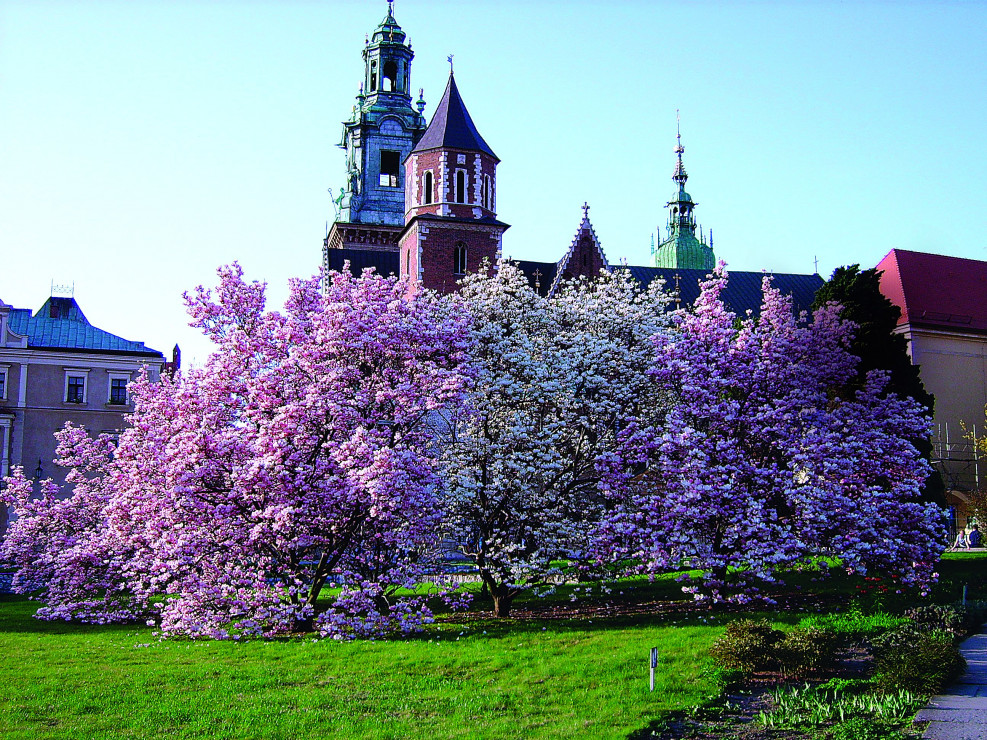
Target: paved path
<point>961,712</point>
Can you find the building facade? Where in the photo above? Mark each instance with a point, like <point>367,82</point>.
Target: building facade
<point>56,367</point>
<point>943,302</point>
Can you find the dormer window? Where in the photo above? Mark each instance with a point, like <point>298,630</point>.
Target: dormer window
<point>459,259</point>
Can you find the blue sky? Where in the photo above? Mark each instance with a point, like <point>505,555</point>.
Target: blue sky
<point>142,144</point>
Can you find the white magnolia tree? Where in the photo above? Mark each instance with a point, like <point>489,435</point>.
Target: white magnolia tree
<point>556,382</point>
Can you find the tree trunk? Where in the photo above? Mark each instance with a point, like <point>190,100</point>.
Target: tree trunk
<point>502,602</point>
<point>502,595</point>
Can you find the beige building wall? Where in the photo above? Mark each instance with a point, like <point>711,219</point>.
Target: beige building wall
<point>953,367</point>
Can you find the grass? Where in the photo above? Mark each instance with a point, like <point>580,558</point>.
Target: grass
<point>465,678</point>
<point>517,681</point>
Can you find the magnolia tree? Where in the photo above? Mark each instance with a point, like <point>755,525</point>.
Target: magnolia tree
<point>555,383</point>
<point>763,458</point>
<point>297,454</point>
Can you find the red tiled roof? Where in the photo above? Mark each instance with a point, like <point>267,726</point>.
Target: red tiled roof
<point>935,290</point>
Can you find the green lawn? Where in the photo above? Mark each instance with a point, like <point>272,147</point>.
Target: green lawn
<point>570,679</point>
<point>467,678</point>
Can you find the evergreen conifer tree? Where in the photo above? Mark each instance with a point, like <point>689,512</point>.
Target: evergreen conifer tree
<point>880,348</point>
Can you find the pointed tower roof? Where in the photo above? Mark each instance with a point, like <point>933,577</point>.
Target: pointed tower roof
<point>451,126</point>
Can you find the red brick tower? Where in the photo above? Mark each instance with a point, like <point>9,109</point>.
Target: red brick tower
<point>451,223</point>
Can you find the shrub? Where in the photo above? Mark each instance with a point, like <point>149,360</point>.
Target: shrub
<point>907,634</point>
<point>951,618</point>
<point>918,661</point>
<point>804,650</point>
<point>722,678</point>
<point>747,645</point>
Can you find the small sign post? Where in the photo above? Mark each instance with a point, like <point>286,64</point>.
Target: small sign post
<point>654,664</point>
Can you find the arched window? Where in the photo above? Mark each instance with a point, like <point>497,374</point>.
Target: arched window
<point>427,188</point>
<point>373,75</point>
<point>486,196</point>
<point>460,186</point>
<point>390,76</point>
<point>459,259</point>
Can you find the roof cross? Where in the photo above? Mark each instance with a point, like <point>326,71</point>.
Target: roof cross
<point>450,62</point>
<point>537,276</point>
<point>585,209</point>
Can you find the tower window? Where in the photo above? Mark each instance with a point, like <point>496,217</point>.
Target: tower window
<point>460,186</point>
<point>486,197</point>
<point>373,75</point>
<point>390,76</point>
<point>427,188</point>
<point>390,163</point>
<point>459,259</point>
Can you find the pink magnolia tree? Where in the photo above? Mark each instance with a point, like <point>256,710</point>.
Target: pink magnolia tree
<point>296,457</point>
<point>764,458</point>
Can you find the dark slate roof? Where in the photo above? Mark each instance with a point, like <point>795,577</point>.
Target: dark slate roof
<point>60,324</point>
<point>384,263</point>
<point>743,291</point>
<point>451,126</point>
<point>935,290</point>
<point>546,276</point>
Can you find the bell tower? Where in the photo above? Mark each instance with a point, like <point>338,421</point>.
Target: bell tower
<point>681,247</point>
<point>450,200</point>
<point>379,134</point>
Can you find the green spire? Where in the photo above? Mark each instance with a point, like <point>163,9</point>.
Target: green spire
<point>681,247</point>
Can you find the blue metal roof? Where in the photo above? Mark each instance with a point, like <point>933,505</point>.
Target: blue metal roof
<point>60,324</point>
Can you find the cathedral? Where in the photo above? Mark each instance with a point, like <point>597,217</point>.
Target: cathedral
<point>420,200</point>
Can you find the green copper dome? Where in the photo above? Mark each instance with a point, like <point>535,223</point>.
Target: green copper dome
<point>683,250</point>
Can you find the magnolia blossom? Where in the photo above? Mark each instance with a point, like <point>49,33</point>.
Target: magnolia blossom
<point>555,382</point>
<point>296,457</point>
<point>762,458</point>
